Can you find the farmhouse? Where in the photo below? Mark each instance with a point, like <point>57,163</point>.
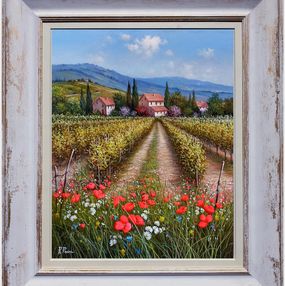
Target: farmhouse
<point>104,105</point>
<point>154,102</point>
<point>203,106</point>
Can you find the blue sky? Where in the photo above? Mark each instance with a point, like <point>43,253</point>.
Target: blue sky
<point>195,54</point>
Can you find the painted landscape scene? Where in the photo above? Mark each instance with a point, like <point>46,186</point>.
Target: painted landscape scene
<point>142,143</point>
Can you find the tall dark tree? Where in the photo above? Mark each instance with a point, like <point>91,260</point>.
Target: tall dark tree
<point>215,105</point>
<point>89,101</point>
<point>82,101</point>
<point>129,96</point>
<point>135,96</point>
<point>194,105</point>
<point>119,100</point>
<point>166,96</point>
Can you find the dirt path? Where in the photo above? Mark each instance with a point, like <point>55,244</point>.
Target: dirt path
<point>169,168</point>
<point>212,174</point>
<point>133,165</point>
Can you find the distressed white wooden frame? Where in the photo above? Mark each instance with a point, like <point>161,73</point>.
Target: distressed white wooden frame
<point>262,52</point>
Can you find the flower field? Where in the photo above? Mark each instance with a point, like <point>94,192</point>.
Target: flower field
<point>145,219</point>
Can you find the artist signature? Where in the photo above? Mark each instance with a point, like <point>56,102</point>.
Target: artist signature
<point>64,250</point>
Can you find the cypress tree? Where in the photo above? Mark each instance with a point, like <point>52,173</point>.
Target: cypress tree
<point>194,103</point>
<point>89,102</point>
<point>82,101</point>
<point>135,96</point>
<point>129,96</point>
<point>166,95</point>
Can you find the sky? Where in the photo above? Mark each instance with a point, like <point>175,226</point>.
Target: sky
<point>203,54</point>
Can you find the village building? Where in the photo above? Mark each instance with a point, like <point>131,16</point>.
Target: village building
<point>154,103</point>
<point>202,105</point>
<point>104,105</point>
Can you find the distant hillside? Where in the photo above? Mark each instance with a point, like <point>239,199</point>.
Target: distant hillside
<point>114,80</point>
<point>72,89</point>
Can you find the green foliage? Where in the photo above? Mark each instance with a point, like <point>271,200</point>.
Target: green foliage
<point>119,100</point>
<point>135,96</point>
<point>190,152</point>
<point>82,101</point>
<point>179,100</point>
<point>129,96</point>
<point>215,105</point>
<point>166,96</point>
<point>89,101</point>
<point>228,106</point>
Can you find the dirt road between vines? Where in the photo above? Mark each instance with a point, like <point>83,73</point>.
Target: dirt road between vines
<point>133,165</point>
<point>169,169</point>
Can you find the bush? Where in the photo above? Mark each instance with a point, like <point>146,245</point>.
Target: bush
<point>174,111</point>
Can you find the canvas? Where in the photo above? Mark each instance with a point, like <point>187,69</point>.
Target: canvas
<point>143,143</point>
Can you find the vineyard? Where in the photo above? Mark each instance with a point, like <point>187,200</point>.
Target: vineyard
<point>217,132</point>
<point>145,219</point>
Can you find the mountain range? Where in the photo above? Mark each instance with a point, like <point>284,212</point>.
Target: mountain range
<point>113,79</point>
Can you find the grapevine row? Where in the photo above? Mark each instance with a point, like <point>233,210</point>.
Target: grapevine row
<point>190,152</point>
<point>218,133</point>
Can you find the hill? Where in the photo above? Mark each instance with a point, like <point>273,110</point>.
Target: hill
<point>71,89</point>
<point>117,81</point>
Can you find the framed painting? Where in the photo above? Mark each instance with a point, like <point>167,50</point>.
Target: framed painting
<point>145,144</point>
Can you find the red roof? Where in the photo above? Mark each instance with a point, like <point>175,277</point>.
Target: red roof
<point>159,108</point>
<point>202,104</point>
<point>153,97</point>
<point>106,100</point>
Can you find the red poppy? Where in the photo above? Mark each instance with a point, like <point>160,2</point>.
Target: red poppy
<point>209,218</point>
<point>143,205</point>
<point>133,195</point>
<point>102,187</point>
<point>98,194</point>
<point>184,198</point>
<point>177,203</point>
<point>117,200</point>
<point>152,193</point>
<point>181,210</point>
<point>209,209</point>
<point>219,205</point>
<point>167,198</point>
<point>71,185</point>
<point>136,219</point>
<point>202,224</point>
<point>202,217</point>
<point>56,195</point>
<point>75,198</point>
<point>151,202</point>
<point>212,200</point>
<point>200,203</point>
<point>145,197</point>
<point>123,224</point>
<point>128,207</point>
<point>91,186</point>
<point>82,225</point>
<point>65,195</point>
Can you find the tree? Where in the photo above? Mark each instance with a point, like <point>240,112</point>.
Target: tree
<point>194,105</point>
<point>179,100</point>
<point>135,96</point>
<point>215,105</point>
<point>129,96</point>
<point>82,101</point>
<point>166,95</point>
<point>228,106</point>
<point>89,101</point>
<point>119,100</point>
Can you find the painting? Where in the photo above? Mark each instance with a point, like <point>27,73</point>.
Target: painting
<point>143,143</point>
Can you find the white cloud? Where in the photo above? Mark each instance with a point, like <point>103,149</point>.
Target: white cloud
<point>146,46</point>
<point>169,52</point>
<point>109,39</point>
<point>206,53</point>
<point>97,59</point>
<point>187,70</point>
<point>125,37</point>
<point>171,64</point>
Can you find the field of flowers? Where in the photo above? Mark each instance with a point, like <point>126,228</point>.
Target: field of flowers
<point>144,220</point>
